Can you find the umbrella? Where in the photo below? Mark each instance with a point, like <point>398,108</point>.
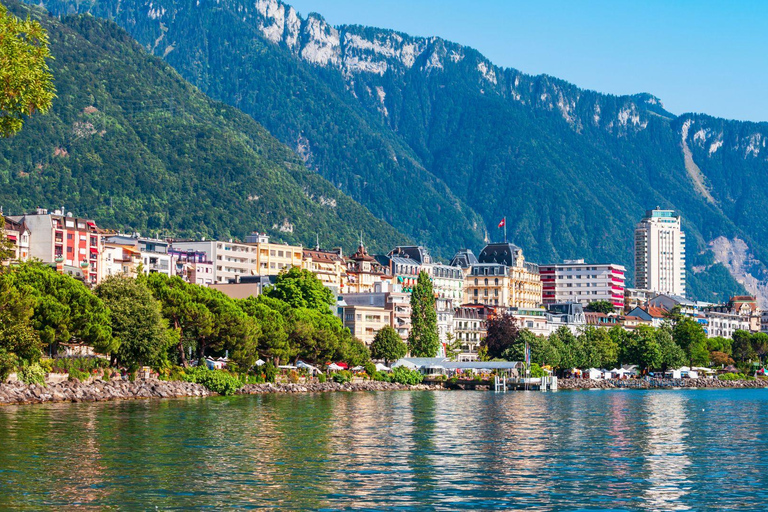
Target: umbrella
<point>259,362</point>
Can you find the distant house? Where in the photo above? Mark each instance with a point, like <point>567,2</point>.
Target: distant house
<point>654,315</point>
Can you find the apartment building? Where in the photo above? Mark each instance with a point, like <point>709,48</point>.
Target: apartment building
<point>328,266</point>
<point>230,259</point>
<point>469,329</point>
<point>396,304</point>
<point>577,281</point>
<point>18,235</point>
<point>192,266</point>
<point>365,273</point>
<point>153,252</point>
<point>660,253</point>
<point>273,257</point>
<point>72,243</point>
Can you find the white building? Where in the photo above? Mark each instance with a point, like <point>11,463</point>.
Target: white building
<point>660,253</point>
<point>576,281</point>
<point>153,252</point>
<point>725,324</point>
<point>230,259</point>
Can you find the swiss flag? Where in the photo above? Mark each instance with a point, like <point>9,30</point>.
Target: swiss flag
<point>503,222</point>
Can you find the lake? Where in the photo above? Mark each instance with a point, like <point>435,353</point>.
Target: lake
<point>595,450</point>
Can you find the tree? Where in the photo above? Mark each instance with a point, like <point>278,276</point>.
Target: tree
<point>599,349</point>
<point>300,288</point>
<point>64,308</point>
<point>501,334</point>
<point>570,348</point>
<point>353,350</point>
<point>544,352</point>
<point>423,340</point>
<point>6,247</point>
<point>516,351</point>
<point>273,339</point>
<point>642,348</point>
<point>18,340</point>
<point>600,306</point>
<point>720,358</point>
<point>690,336</point>
<point>743,351</point>
<point>26,83</point>
<point>138,327</point>
<point>388,345</point>
<point>672,356</point>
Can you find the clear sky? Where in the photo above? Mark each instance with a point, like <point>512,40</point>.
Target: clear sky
<point>696,56</point>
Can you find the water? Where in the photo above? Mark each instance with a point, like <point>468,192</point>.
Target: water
<point>670,450</point>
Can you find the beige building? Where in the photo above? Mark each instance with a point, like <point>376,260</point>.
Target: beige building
<point>18,235</point>
<point>328,266</point>
<point>364,321</point>
<point>231,260</point>
<point>274,257</point>
<point>660,253</point>
<point>503,278</point>
<point>364,273</point>
<point>396,304</point>
<point>118,259</point>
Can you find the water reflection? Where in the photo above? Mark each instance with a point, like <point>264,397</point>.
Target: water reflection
<point>409,450</point>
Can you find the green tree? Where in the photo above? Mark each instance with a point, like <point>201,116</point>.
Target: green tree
<point>672,355</point>
<point>353,350</point>
<point>388,345</point>
<point>138,327</point>
<point>544,352</point>
<point>273,339</point>
<point>570,348</point>
<point>300,288</point>
<point>423,340</point>
<point>26,83</point>
<point>743,351</point>
<point>600,306</point>
<point>516,350</point>
<point>64,308</point>
<point>642,348</point>
<point>690,336</point>
<point>599,349</point>
<point>18,340</point>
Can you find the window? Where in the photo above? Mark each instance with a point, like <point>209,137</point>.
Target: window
<point>70,236</point>
<point>272,252</point>
<point>280,254</point>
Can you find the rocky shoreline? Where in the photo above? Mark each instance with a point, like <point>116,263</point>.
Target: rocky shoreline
<point>18,393</point>
<point>577,384</point>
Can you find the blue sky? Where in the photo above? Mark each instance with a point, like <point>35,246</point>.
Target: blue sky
<point>696,56</point>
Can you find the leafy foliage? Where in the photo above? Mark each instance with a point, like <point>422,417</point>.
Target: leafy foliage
<point>600,306</point>
<point>423,339</point>
<point>300,288</point>
<point>218,381</point>
<point>403,375</point>
<point>26,84</point>
<point>387,345</point>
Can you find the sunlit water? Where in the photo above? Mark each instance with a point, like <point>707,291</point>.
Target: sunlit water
<point>648,450</point>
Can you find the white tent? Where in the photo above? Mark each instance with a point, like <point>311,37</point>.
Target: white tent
<point>260,362</point>
<point>334,367</point>
<point>407,364</point>
<point>287,367</point>
<point>358,368</point>
<point>380,367</point>
<point>312,369</point>
<point>594,374</point>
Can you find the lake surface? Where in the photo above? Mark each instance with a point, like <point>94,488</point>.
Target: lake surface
<point>617,449</point>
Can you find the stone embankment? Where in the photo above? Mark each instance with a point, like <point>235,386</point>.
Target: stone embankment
<point>658,383</point>
<point>18,393</point>
<point>325,387</point>
<point>96,391</point>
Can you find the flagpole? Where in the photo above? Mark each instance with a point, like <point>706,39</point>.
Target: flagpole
<point>505,230</point>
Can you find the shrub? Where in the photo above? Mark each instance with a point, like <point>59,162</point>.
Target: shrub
<point>218,381</point>
<point>403,375</point>
<point>342,377</point>
<point>293,377</point>
<point>536,371</point>
<point>735,376</point>
<point>322,378</point>
<point>270,372</point>
<point>7,364</point>
<point>75,374</point>
<point>370,369</point>
<point>32,374</point>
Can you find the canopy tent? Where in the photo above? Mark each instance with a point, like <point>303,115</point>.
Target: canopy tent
<point>358,368</point>
<point>260,362</point>
<point>334,367</point>
<point>312,369</point>
<point>380,367</point>
<point>287,367</point>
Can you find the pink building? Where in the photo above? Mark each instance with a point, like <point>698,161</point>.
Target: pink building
<point>576,281</point>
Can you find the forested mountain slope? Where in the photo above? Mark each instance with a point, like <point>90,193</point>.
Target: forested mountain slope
<point>438,141</point>
<point>132,144</point>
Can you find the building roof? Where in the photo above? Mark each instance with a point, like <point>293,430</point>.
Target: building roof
<point>320,255</point>
<point>503,253</point>
<point>417,253</point>
<point>362,254</point>
<point>465,258</point>
<point>442,362</point>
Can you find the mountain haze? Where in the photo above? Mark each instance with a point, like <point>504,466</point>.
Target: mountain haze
<point>132,144</point>
<point>437,141</point>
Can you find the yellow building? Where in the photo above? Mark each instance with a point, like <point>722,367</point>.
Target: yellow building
<point>365,321</point>
<point>328,266</point>
<point>273,257</point>
<point>503,278</point>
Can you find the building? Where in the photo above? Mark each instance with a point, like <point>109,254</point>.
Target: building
<point>231,260</point>
<point>635,297</point>
<point>192,266</point>
<point>328,266</point>
<point>649,315</point>
<point>686,307</point>
<point>117,259</point>
<point>567,314</point>
<point>274,257</point>
<point>470,328</point>
<point>464,260</point>
<point>364,273</point>
<point>724,323</point>
<point>153,252</point>
<point>502,277</point>
<point>660,253</point>
<point>18,235</point>
<point>71,243</point>
<point>244,286</point>
<point>533,319</point>
<point>744,306</point>
<point>397,306</point>
<point>576,281</point>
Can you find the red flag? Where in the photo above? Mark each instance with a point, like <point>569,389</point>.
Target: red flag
<point>503,222</point>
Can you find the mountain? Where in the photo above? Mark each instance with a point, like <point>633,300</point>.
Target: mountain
<point>135,146</point>
<point>439,142</point>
